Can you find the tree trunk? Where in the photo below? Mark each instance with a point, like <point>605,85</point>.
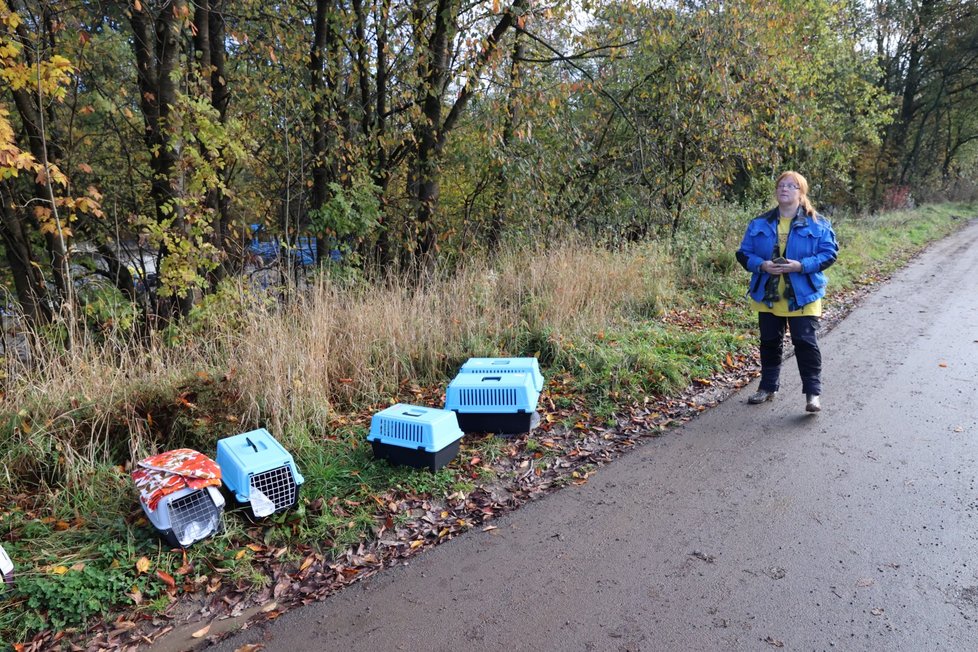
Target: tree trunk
<point>28,281</point>
<point>157,45</point>
<point>499,208</point>
<point>35,121</point>
<point>322,85</point>
<point>210,50</point>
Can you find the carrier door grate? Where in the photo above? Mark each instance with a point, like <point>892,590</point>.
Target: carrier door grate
<point>277,485</point>
<point>193,516</point>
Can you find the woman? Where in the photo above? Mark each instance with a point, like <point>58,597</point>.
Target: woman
<point>787,250</point>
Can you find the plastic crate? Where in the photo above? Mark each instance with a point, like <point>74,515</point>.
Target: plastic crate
<point>186,516</point>
<point>498,403</point>
<point>259,472</point>
<point>6,567</point>
<point>505,366</point>
<point>421,437</point>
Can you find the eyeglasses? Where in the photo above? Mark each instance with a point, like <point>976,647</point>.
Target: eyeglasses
<point>788,186</point>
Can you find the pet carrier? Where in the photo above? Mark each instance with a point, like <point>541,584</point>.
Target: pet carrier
<point>6,568</point>
<point>498,403</point>
<point>415,436</point>
<point>179,492</point>
<point>505,366</point>
<point>259,471</point>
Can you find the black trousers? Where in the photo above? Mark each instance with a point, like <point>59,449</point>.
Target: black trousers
<point>805,340</point>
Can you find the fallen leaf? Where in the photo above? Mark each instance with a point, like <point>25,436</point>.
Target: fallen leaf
<point>943,365</point>
<point>59,570</point>
<point>142,565</point>
<point>416,544</point>
<point>489,528</point>
<point>136,595</point>
<point>167,579</point>
<point>202,632</point>
<point>251,647</point>
<point>307,562</point>
<point>271,606</point>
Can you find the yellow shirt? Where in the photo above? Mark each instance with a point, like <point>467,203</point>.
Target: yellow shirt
<point>780,307</point>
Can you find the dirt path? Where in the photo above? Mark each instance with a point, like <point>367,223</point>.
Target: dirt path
<point>750,528</point>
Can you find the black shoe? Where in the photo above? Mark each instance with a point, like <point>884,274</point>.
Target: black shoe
<point>760,396</point>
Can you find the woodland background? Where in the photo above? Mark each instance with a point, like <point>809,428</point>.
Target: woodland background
<point>406,135</point>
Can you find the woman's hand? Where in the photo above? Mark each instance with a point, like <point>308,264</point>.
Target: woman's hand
<point>791,267</point>
<point>787,267</point>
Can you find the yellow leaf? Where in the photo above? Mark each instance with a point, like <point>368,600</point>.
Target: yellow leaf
<point>142,565</point>
<point>200,633</point>
<point>416,544</point>
<point>240,554</point>
<point>59,570</point>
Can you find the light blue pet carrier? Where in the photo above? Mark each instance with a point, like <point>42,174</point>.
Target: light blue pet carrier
<point>259,471</point>
<point>422,437</point>
<point>503,403</point>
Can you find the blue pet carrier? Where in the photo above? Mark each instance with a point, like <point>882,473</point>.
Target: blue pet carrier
<point>505,366</point>
<point>415,436</point>
<point>259,471</point>
<point>499,403</point>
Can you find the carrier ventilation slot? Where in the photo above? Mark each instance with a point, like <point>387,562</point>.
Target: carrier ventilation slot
<point>410,432</point>
<point>487,397</point>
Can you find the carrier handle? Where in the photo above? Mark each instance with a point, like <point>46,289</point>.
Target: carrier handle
<point>251,443</point>
<point>496,378</point>
<point>413,413</point>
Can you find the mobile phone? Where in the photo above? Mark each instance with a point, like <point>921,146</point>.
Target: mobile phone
<point>780,260</point>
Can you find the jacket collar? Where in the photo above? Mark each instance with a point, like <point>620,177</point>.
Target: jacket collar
<point>773,215</point>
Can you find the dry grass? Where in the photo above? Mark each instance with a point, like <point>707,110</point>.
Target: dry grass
<point>336,346</point>
<point>342,346</point>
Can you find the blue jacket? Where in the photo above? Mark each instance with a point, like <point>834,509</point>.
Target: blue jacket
<point>811,241</point>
